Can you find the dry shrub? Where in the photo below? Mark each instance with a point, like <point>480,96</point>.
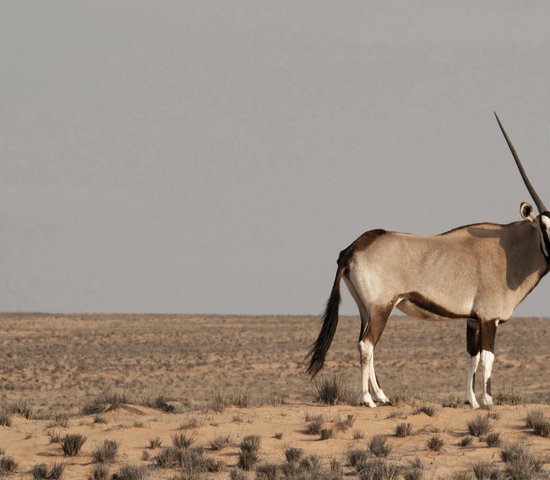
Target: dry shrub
<point>357,457</point>
<point>8,465</point>
<point>105,403</point>
<point>538,422</point>
<point>379,447</point>
<point>72,444</point>
<point>435,443</point>
<point>479,426</point>
<point>221,399</point>
<point>182,440</point>
<point>358,435</point>
<point>132,472</point>
<point>429,410</point>
<point>161,403</point>
<point>25,409</point>
<point>106,453</point>
<point>5,419</point>
<point>293,454</point>
<point>267,471</point>
<point>520,463</point>
<point>486,471</point>
<point>219,442</point>
<point>154,443</point>
<point>379,469</point>
<point>493,439</point>
<point>55,437</point>
<point>508,397</point>
<point>330,390</point>
<point>237,475</point>
<point>344,424</point>
<point>414,471</point>
<point>100,472</point>
<point>42,472</point>
<point>403,430</point>
<point>465,442</point>
<point>326,433</point>
<point>314,427</point>
<point>248,455</point>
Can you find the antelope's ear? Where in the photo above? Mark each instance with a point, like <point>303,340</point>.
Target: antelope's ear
<point>526,211</point>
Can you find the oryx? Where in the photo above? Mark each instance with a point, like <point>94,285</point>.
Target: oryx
<point>478,272</point>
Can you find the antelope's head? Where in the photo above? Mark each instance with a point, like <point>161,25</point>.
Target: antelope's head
<point>543,218</point>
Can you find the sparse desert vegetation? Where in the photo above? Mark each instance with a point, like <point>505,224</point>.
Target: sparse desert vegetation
<point>182,403</point>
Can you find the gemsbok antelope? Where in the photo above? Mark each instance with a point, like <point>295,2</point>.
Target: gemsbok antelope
<point>478,272</point>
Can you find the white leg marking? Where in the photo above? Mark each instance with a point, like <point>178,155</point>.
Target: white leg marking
<point>377,392</point>
<point>366,360</point>
<point>487,359</point>
<point>473,362</point>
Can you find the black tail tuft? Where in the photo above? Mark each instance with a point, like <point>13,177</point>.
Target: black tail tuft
<point>318,350</point>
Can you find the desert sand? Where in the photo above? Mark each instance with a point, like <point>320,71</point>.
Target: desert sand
<point>52,367</point>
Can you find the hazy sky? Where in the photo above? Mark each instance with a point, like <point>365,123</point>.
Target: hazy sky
<point>215,157</point>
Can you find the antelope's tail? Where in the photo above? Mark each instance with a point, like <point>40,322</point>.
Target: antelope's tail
<point>318,350</point>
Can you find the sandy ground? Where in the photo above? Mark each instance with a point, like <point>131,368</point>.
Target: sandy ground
<point>60,363</point>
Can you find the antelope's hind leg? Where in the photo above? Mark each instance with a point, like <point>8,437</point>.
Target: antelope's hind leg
<point>473,345</point>
<point>371,331</point>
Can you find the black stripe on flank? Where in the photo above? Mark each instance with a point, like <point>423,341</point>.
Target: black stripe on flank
<point>424,303</point>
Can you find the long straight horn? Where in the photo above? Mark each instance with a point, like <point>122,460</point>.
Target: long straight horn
<point>536,198</point>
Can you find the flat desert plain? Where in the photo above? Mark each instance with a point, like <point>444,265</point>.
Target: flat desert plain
<point>206,383</point>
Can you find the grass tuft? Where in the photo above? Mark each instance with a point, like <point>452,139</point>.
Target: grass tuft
<point>379,469</point>
<point>182,440</point>
<point>414,471</point>
<point>314,427</point>
<point>403,430</point>
<point>220,442</point>
<point>100,472</point>
<point>72,444</point>
<point>538,422</point>
<point>486,471</point>
<point>222,399</point>
<point>293,454</point>
<point>105,403</point>
<point>132,472</point>
<point>508,397</point>
<point>42,472</point>
<point>493,439</point>
<point>344,425</point>
<point>330,390</point>
<point>479,426</point>
<point>248,455</point>
<point>357,457</point>
<point>5,419</point>
<point>267,471</point>
<point>465,442</point>
<point>520,463</point>
<point>155,443</point>
<point>106,453</point>
<point>429,410</point>
<point>8,465</point>
<point>379,447</point>
<point>435,443</point>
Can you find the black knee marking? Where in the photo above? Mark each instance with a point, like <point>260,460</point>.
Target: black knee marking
<point>474,383</point>
<point>473,337</point>
<point>489,386</point>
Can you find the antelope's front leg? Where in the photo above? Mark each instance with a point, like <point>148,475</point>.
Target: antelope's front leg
<point>488,333</point>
